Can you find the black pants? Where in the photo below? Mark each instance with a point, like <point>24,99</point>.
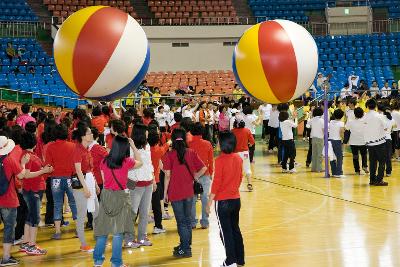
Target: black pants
<point>388,156</point>
<point>156,205</point>
<point>355,150</point>
<point>252,149</point>
<point>273,138</point>
<point>309,152</point>
<point>49,216</point>
<point>162,179</point>
<point>228,218</point>
<point>22,211</point>
<point>89,214</point>
<point>289,153</point>
<point>101,139</point>
<point>306,131</point>
<point>377,156</point>
<point>265,129</point>
<point>395,141</point>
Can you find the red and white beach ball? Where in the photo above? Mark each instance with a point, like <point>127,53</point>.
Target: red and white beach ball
<point>101,53</point>
<point>275,61</point>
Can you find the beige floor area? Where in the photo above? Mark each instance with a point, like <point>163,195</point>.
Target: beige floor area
<point>294,220</point>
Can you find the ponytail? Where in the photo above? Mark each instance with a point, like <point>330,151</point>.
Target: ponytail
<point>179,143</point>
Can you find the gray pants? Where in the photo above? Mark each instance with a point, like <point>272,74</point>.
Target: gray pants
<point>141,201</point>
<point>316,158</point>
<point>81,206</point>
<point>205,181</point>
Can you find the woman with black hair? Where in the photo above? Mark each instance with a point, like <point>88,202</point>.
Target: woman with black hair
<point>83,181</point>
<point>251,122</point>
<point>317,136</point>
<point>144,186</point>
<point>389,125</point>
<point>181,166</point>
<point>225,193</point>
<point>244,140</point>
<point>115,212</point>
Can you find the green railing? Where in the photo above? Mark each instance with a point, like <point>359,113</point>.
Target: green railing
<point>21,29</point>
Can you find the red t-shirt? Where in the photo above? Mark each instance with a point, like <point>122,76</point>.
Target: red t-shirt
<point>146,121</point>
<point>227,177</point>
<point>165,137</point>
<point>121,174</point>
<point>157,152</point>
<point>59,155</point>
<point>109,140</point>
<point>181,181</point>
<point>34,184</point>
<point>98,153</point>
<point>205,151</point>
<point>243,139</point>
<point>11,168</point>
<point>82,155</point>
<point>99,122</point>
<point>176,125</point>
<point>40,129</point>
<point>11,123</point>
<point>16,154</point>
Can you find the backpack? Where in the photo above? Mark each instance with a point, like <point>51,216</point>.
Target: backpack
<point>4,182</point>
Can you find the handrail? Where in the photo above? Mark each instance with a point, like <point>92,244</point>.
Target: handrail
<point>21,28</point>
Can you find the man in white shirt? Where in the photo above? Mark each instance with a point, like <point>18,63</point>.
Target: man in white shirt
<point>166,107</point>
<point>374,136</point>
<point>386,90</point>
<point>353,81</point>
<point>289,147</point>
<point>374,89</point>
<point>161,117</point>
<point>273,125</point>
<point>265,111</point>
<point>189,112</point>
<point>320,80</point>
<point>345,92</point>
<point>335,130</point>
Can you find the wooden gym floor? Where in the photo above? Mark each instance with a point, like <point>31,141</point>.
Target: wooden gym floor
<point>294,220</point>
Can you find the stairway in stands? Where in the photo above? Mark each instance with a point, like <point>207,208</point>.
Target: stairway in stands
<point>142,9</point>
<point>380,14</point>
<point>243,10</point>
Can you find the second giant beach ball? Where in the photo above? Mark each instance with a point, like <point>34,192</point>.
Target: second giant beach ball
<point>275,61</point>
<point>101,53</point>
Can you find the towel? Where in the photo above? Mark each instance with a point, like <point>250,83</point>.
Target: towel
<point>91,184</point>
<point>331,154</point>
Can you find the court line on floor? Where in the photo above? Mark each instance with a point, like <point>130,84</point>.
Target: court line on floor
<point>327,195</point>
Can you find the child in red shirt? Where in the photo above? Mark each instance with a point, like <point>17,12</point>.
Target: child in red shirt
<point>225,192</point>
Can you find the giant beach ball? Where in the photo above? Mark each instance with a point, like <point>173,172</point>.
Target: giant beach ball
<point>275,61</point>
<point>101,53</point>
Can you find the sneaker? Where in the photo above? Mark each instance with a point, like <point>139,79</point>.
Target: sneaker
<point>23,247</point>
<point>65,224</point>
<point>381,183</point>
<point>35,250</point>
<point>145,243</point>
<point>365,169</point>
<point>358,173</point>
<point>166,216</point>
<point>157,231</point>
<point>10,262</point>
<point>86,248</point>
<point>231,265</point>
<point>18,241</point>
<point>182,254</point>
<point>132,244</point>
<point>292,170</point>
<point>89,226</point>
<point>284,170</point>
<point>178,247</point>
<point>388,174</point>
<point>204,227</point>
<point>56,236</point>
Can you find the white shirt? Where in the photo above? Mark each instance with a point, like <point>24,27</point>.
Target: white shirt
<point>211,118</point>
<point>356,128</point>
<point>274,119</point>
<point>265,109</point>
<point>249,122</point>
<point>145,172</point>
<point>170,118</point>
<point>287,129</point>
<point>334,129</point>
<point>374,90</point>
<point>385,93</point>
<point>350,115</point>
<point>388,128</point>
<point>374,133</point>
<point>166,108</point>
<point>161,118</point>
<point>396,118</point>
<point>317,127</point>
<point>345,92</point>
<point>353,82</point>
<point>188,112</point>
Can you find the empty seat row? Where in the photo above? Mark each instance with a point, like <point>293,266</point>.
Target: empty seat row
<point>87,2</point>
<point>199,21</point>
<point>76,8</point>
<point>155,9</point>
<point>194,14</point>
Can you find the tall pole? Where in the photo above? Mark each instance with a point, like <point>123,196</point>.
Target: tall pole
<point>326,122</point>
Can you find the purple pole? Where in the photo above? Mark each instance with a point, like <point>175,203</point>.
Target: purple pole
<point>326,132</point>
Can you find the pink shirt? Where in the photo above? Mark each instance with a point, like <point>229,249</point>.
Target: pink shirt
<point>223,122</point>
<point>121,174</point>
<point>24,119</point>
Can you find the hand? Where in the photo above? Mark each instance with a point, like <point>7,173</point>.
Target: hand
<point>48,169</point>
<point>97,190</point>
<point>208,209</point>
<point>25,159</point>
<point>131,143</point>
<point>166,200</point>
<point>154,187</point>
<point>86,192</point>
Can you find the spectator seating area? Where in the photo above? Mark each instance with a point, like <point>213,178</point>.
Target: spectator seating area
<point>16,10</point>
<point>294,10</point>
<point>193,11</point>
<point>19,74</point>
<point>394,11</point>
<point>63,8</point>
<point>217,82</point>
<point>367,56</point>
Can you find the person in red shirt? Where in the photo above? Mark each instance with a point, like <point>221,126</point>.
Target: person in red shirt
<point>205,151</point>
<point>11,118</point>
<point>181,166</point>
<point>99,122</point>
<point>225,192</point>
<point>244,140</point>
<point>177,119</point>
<point>9,200</point>
<point>117,127</point>
<point>59,155</point>
<point>157,151</point>
<point>85,193</point>
<point>115,219</point>
<point>33,189</point>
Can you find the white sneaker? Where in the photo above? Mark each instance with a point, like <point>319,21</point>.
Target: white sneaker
<point>284,170</point>
<point>232,265</point>
<point>131,245</point>
<point>292,170</point>
<point>145,243</point>
<point>166,216</point>
<point>157,231</point>
<point>19,241</point>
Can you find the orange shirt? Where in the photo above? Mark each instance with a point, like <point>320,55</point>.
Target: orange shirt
<point>227,177</point>
<point>204,149</point>
<point>157,152</point>
<point>99,122</point>
<point>243,139</point>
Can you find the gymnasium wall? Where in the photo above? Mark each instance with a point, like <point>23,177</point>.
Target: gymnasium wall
<point>179,48</point>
